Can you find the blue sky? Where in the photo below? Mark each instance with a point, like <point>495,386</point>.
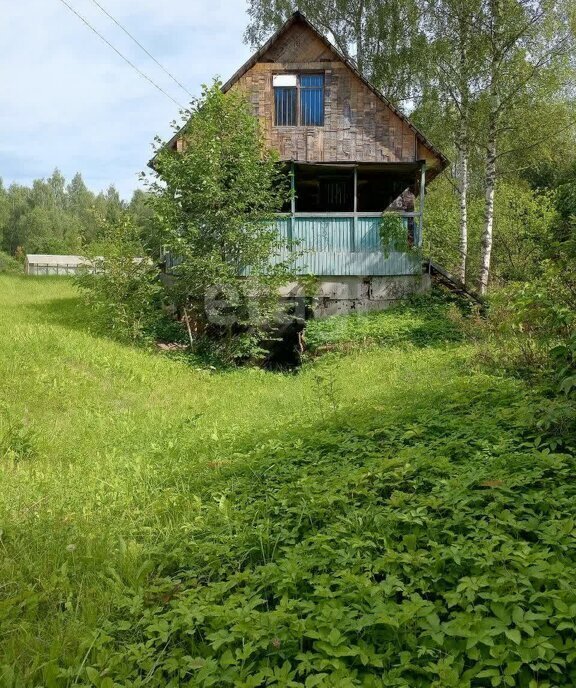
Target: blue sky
<point>68,101</point>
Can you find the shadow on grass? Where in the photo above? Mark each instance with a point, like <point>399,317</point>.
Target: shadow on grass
<point>326,483</point>
<point>366,514</point>
<point>444,417</point>
<point>72,314</point>
<point>67,312</point>
<point>47,299</point>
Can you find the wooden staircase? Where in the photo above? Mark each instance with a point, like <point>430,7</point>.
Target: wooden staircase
<point>443,277</point>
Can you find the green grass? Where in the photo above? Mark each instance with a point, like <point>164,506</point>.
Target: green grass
<point>421,322</point>
<point>354,524</point>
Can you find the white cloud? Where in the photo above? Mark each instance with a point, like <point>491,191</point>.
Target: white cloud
<point>68,100</point>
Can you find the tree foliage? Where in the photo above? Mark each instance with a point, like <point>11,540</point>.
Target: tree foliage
<point>52,216</point>
<point>121,286</point>
<point>382,36</point>
<point>488,80</point>
<point>526,221</point>
<point>216,201</point>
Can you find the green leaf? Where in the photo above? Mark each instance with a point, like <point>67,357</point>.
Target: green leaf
<point>514,635</point>
<point>512,668</point>
<point>93,675</point>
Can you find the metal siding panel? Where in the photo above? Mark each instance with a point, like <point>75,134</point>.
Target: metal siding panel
<point>283,227</point>
<point>324,248</point>
<point>368,234</point>
<point>333,263</point>
<point>323,233</point>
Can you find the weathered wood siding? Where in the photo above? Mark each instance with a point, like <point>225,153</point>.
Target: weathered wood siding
<point>358,127</point>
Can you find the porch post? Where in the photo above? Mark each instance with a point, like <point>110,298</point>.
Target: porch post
<point>422,191</point>
<point>353,228</point>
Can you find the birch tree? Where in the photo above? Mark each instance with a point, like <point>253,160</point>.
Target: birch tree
<point>382,37</point>
<point>528,51</point>
<point>482,75</point>
<point>455,68</point>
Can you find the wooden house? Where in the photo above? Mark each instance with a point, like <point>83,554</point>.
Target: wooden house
<point>353,156</point>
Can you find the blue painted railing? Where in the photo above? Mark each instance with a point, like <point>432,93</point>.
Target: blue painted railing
<point>342,244</point>
<point>345,244</point>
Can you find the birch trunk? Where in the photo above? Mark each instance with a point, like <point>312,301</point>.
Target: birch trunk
<point>358,30</point>
<point>463,188</point>
<point>463,142</point>
<point>489,212</point>
<point>493,115</point>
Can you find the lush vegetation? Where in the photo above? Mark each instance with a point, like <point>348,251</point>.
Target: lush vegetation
<point>53,216</point>
<point>214,200</point>
<point>422,322</point>
<point>392,516</point>
<point>9,264</point>
<point>399,513</point>
<point>217,200</point>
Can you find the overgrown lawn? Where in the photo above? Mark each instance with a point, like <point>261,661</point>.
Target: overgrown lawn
<point>382,518</point>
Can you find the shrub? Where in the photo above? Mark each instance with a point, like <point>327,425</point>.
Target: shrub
<point>216,198</point>
<point>531,328</point>
<point>122,288</point>
<point>9,264</point>
<point>394,235</point>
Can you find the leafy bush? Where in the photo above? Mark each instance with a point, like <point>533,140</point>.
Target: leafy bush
<point>437,551</point>
<point>531,328</point>
<point>394,235</point>
<point>122,289</point>
<point>531,332</point>
<point>9,264</point>
<point>216,198</point>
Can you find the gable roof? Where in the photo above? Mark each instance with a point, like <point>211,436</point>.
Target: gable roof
<point>296,17</point>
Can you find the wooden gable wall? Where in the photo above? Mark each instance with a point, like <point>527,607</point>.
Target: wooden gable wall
<point>358,125</point>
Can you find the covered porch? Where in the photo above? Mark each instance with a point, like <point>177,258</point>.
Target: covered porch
<point>335,216</point>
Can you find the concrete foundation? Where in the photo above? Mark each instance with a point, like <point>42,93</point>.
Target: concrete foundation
<point>346,294</point>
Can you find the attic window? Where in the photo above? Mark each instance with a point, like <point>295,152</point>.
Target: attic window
<point>298,99</point>
<point>285,99</point>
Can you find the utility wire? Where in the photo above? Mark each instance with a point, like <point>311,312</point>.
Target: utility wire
<point>174,79</point>
<point>145,76</point>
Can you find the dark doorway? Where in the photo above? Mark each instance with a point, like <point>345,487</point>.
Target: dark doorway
<point>321,188</point>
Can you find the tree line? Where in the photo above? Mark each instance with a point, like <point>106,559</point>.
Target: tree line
<point>56,216</point>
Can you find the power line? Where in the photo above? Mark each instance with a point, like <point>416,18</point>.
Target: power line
<point>174,79</point>
<point>84,21</point>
